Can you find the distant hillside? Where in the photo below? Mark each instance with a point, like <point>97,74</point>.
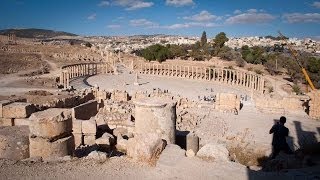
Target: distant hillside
<point>35,33</point>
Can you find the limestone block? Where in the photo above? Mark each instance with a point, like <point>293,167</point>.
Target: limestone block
<point>89,126</point>
<point>14,142</point>
<point>18,110</point>
<point>120,131</point>
<point>86,110</point>
<point>213,151</point>
<point>89,139</point>
<point>21,122</point>
<point>51,123</point>
<point>145,147</point>
<point>122,145</point>
<point>78,139</point>
<point>190,153</point>
<point>3,103</point>
<point>46,149</point>
<point>7,121</point>
<point>77,126</point>
<point>105,141</point>
<point>192,143</point>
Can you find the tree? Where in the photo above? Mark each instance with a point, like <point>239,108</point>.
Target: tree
<point>220,39</point>
<point>203,38</point>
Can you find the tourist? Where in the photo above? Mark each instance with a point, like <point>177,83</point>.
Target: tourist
<point>279,143</point>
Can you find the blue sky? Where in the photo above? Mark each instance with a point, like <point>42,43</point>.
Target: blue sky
<point>295,18</point>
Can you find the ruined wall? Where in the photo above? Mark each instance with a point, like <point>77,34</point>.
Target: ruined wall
<point>227,102</point>
<point>314,105</point>
<point>279,104</point>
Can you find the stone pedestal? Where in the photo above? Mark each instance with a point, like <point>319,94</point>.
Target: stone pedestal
<point>192,143</point>
<point>155,115</point>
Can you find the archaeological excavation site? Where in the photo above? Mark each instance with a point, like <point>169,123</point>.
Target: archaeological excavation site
<point>98,112</point>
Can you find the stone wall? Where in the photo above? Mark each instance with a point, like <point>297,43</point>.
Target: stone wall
<point>227,102</point>
<point>279,104</point>
<point>314,105</point>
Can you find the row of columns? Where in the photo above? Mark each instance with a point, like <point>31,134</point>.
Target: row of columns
<point>78,70</point>
<point>227,76</point>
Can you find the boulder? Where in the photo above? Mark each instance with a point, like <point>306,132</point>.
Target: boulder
<point>171,156</point>
<point>98,156</point>
<point>105,141</point>
<point>214,151</point>
<point>120,131</point>
<point>122,145</point>
<point>145,147</point>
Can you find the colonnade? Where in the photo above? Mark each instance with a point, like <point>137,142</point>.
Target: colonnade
<point>245,79</point>
<point>85,69</point>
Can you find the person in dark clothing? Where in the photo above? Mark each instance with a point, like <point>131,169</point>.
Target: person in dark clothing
<point>279,143</point>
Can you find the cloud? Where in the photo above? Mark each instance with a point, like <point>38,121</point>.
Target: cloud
<point>104,3</point>
<point>251,16</point>
<point>302,18</point>
<point>237,11</point>
<point>316,4</point>
<point>142,22</point>
<point>179,2</point>
<point>133,4</point>
<point>203,16</point>
<point>114,26</point>
<point>252,11</point>
<point>189,25</point>
<point>92,16</point>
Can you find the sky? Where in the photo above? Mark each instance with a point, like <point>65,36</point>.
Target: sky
<point>237,18</point>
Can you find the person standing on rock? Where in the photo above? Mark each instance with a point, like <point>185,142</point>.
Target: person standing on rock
<point>279,143</point>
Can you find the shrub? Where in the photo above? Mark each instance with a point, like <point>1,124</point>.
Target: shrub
<point>258,71</point>
<point>296,89</point>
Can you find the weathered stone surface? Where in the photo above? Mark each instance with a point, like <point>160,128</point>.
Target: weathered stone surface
<point>46,149</point>
<point>228,102</point>
<point>122,145</point>
<point>105,141</point>
<point>98,156</point>
<point>3,103</point>
<point>18,110</point>
<point>6,122</point>
<point>21,122</point>
<point>89,126</point>
<point>77,126</point>
<point>89,139</point>
<point>78,139</point>
<point>14,142</point>
<point>155,115</point>
<point>120,131</point>
<point>85,111</point>
<point>171,155</point>
<point>51,123</point>
<point>214,151</point>
<point>192,143</point>
<point>190,153</point>
<point>145,147</point>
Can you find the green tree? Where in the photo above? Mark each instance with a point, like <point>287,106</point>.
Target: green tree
<point>203,39</point>
<point>220,39</point>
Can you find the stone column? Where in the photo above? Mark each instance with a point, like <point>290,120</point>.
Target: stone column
<point>156,115</point>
